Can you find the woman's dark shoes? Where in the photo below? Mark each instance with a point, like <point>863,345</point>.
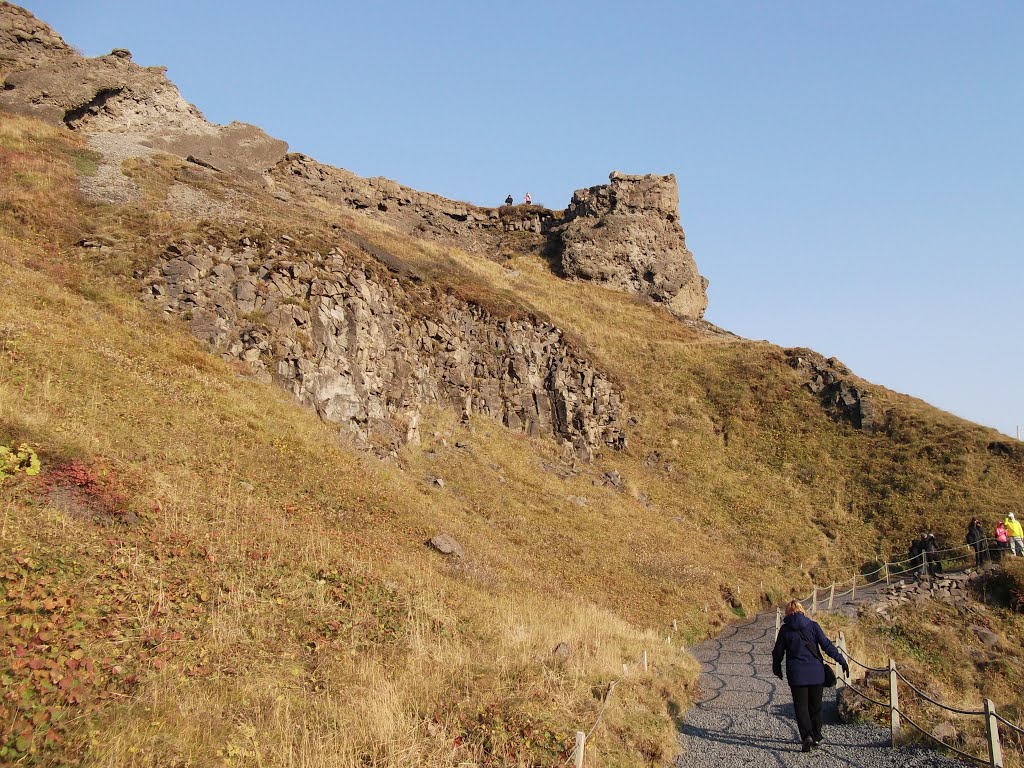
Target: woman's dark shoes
<point>807,744</point>
<point>818,740</point>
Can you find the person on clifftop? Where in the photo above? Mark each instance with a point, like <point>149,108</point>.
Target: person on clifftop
<point>1015,534</point>
<point>527,200</point>
<point>509,200</point>
<point>798,643</point>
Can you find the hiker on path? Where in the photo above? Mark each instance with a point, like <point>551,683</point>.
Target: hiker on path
<point>932,555</point>
<point>916,556</point>
<point>1016,535</point>
<point>913,555</point>
<point>509,200</point>
<point>1002,541</point>
<point>976,538</point>
<point>798,642</point>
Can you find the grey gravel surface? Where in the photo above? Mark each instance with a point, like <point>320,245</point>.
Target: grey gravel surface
<point>744,716</point>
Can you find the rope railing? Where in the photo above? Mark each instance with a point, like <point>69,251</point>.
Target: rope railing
<point>576,755</point>
<point>926,697</point>
<point>1008,724</point>
<point>950,747</point>
<point>897,715</point>
<point>578,750</point>
<point>864,695</point>
<point>864,666</point>
<point>889,570</point>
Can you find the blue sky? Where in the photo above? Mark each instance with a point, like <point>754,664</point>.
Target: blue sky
<point>849,172</point>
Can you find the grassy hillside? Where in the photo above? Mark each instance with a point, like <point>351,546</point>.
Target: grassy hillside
<point>204,573</point>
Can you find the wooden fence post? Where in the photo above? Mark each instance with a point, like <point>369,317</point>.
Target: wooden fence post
<point>995,750</point>
<point>853,589</point>
<point>894,703</point>
<point>814,601</point>
<point>831,595</point>
<point>675,625</point>
<point>885,567</point>
<point>778,621</point>
<point>577,751</point>
<point>643,660</point>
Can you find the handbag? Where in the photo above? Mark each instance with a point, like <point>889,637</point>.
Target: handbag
<point>830,675</point>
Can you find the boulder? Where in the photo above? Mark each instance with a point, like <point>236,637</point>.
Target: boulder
<point>987,636</point>
<point>447,545</point>
<point>562,651</point>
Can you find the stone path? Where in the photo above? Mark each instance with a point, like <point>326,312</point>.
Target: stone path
<point>744,716</point>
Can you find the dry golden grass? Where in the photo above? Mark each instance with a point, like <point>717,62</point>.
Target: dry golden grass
<point>275,603</point>
<point>261,610</point>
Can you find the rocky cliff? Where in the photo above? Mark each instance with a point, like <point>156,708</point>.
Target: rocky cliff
<point>360,348</point>
<point>370,351</point>
<point>45,78</point>
<point>626,234</point>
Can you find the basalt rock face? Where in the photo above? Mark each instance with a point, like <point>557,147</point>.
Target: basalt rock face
<point>44,78</point>
<point>831,382</point>
<point>626,234</point>
<point>368,350</point>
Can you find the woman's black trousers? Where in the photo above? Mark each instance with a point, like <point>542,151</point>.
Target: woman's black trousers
<point>807,703</point>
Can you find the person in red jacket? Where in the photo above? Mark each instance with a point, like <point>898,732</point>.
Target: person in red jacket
<point>798,643</point>
<point>1002,541</point>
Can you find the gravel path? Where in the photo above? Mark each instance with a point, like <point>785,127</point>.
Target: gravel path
<point>745,714</point>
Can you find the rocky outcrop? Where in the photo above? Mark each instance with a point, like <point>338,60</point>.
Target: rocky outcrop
<point>951,588</point>
<point>48,80</point>
<point>831,382</point>
<point>422,214</point>
<point>368,350</point>
<point>26,41</point>
<point>626,234</point>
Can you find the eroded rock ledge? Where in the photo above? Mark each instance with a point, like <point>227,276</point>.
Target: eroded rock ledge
<point>366,350</point>
<point>626,234</point>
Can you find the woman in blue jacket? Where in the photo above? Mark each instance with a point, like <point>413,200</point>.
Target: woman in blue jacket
<point>798,642</point>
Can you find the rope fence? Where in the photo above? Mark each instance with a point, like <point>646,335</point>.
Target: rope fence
<point>884,573</point>
<point>578,751</point>
<point>890,570</point>
<point>897,716</point>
